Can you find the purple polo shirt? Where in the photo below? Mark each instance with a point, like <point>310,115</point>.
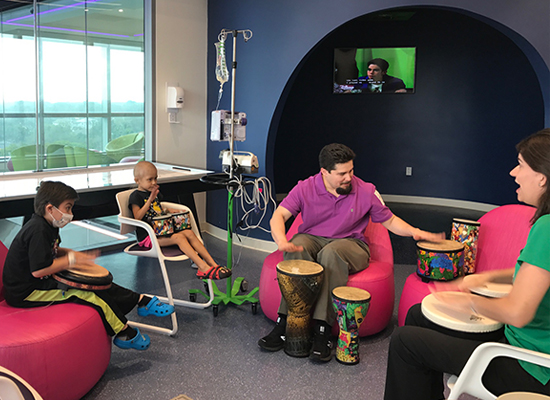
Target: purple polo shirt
<point>333,217</point>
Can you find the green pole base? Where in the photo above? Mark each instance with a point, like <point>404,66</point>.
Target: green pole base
<point>231,296</point>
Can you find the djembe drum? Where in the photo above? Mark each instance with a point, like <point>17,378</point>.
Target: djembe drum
<point>466,232</point>
<point>300,283</point>
<point>93,278</point>
<point>351,305</point>
<point>440,261</point>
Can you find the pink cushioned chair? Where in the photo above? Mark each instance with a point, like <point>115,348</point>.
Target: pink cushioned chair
<point>61,350</point>
<point>502,234</point>
<point>377,279</point>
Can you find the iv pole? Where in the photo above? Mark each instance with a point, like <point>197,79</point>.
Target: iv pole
<point>231,296</point>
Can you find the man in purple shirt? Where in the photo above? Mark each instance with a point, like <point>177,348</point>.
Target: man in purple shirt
<point>335,207</point>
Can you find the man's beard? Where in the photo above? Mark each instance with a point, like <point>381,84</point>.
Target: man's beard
<point>341,190</point>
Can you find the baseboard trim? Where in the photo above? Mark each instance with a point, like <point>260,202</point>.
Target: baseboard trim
<point>267,246</point>
<point>436,201</point>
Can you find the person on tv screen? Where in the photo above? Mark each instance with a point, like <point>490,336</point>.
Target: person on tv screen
<point>378,80</point>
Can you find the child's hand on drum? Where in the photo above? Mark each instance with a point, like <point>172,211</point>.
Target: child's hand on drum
<point>87,258</point>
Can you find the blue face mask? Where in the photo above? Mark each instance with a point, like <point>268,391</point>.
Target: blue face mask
<point>63,221</point>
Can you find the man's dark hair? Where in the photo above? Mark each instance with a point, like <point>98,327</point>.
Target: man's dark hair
<point>383,64</point>
<point>333,154</point>
<point>54,193</point>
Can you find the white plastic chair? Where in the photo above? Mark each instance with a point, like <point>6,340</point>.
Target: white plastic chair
<point>171,253</point>
<point>469,380</point>
<point>9,390</point>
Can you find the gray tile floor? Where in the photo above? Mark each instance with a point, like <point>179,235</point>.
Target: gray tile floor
<point>218,357</point>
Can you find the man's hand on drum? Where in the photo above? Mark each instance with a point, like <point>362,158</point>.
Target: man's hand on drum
<point>428,236</point>
<point>289,247</point>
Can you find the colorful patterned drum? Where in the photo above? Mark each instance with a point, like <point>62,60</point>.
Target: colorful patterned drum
<point>181,221</point>
<point>440,261</point>
<point>300,283</point>
<point>351,305</point>
<point>163,225</point>
<point>466,232</point>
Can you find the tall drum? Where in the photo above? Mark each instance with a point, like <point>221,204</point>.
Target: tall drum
<point>466,232</point>
<point>440,261</point>
<point>300,283</point>
<point>351,305</point>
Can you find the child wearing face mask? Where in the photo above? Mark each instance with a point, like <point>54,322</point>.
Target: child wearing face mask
<point>35,255</point>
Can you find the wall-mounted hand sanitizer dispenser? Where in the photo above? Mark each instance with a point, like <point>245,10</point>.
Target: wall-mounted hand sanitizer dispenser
<point>174,97</point>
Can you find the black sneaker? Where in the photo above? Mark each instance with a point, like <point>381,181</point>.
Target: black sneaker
<point>322,343</point>
<point>275,341</point>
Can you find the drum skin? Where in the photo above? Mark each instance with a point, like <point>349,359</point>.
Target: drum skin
<point>440,261</point>
<point>300,282</point>
<point>99,279</point>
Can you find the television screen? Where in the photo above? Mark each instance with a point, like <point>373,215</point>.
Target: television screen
<point>374,70</point>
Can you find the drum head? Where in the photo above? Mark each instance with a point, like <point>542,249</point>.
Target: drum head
<point>299,267</point>
<point>442,314</point>
<point>466,221</point>
<point>492,289</point>
<point>444,246</point>
<point>93,276</point>
<point>348,293</point>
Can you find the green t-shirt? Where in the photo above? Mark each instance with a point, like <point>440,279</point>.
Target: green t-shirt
<point>536,334</point>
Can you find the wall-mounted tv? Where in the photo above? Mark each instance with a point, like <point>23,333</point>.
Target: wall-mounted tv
<point>374,70</point>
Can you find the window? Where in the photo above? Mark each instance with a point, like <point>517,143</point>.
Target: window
<point>71,83</point>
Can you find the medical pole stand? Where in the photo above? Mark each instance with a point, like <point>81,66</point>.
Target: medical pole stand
<point>233,287</point>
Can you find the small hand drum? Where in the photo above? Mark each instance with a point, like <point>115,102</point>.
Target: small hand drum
<point>351,305</point>
<point>440,261</point>
<point>300,283</point>
<point>163,225</point>
<point>96,278</point>
<point>441,314</point>
<point>466,232</point>
<point>181,221</point>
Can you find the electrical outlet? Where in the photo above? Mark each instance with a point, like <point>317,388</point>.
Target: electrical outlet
<point>172,118</point>
<point>408,171</point>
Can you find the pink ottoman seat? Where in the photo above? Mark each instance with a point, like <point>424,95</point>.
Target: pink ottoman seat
<point>377,279</point>
<point>61,350</point>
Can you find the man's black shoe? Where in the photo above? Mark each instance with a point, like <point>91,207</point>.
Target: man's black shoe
<point>322,344</point>
<point>275,341</point>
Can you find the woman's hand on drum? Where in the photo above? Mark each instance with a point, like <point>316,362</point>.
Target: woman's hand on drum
<point>473,281</point>
<point>461,303</point>
<point>289,247</point>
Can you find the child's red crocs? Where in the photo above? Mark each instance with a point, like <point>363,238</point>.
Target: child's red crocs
<point>215,272</point>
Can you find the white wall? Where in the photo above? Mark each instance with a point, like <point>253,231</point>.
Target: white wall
<point>180,58</point>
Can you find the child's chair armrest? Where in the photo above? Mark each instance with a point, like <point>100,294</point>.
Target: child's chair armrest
<point>174,206</point>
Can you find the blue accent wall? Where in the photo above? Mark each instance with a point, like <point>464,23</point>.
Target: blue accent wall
<point>478,92</point>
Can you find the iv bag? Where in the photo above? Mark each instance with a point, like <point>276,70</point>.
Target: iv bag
<point>222,75</point>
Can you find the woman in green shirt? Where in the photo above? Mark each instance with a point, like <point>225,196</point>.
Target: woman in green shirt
<point>421,352</point>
